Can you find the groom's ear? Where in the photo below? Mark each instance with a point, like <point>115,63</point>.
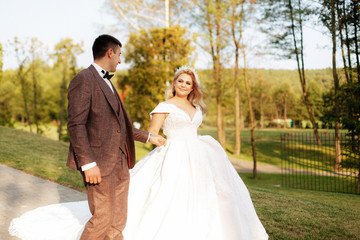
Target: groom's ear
<point>109,52</point>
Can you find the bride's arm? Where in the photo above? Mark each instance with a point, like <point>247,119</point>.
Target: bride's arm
<point>157,121</point>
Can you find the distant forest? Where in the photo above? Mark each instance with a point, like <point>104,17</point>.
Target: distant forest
<point>270,88</point>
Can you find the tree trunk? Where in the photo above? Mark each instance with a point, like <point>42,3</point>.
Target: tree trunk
<point>285,112</point>
<point>252,120</point>
<point>36,114</point>
<point>301,70</point>
<point>336,87</point>
<point>342,42</point>
<point>262,123</point>
<point>355,10</point>
<point>242,121</point>
<point>220,123</point>
<point>215,54</point>
<point>220,115</point>
<point>347,43</point>
<point>62,100</point>
<point>358,183</point>
<point>277,117</point>
<point>24,95</point>
<point>237,147</point>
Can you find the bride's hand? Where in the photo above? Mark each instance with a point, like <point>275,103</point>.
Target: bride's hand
<point>157,140</point>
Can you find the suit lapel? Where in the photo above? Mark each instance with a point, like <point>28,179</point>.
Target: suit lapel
<point>109,95</point>
<point>126,116</point>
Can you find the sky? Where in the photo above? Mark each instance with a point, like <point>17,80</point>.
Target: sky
<point>83,20</point>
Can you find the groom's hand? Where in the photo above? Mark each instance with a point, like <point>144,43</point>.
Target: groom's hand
<point>93,175</point>
<point>157,140</point>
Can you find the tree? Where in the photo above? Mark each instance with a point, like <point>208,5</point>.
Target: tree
<point>34,68</point>
<point>350,122</point>
<point>261,98</point>
<point>236,18</point>
<point>210,21</point>
<point>141,14</point>
<point>346,24</point>
<point>65,57</point>
<point>22,76</point>
<point>5,95</point>
<point>315,93</point>
<point>283,22</point>
<point>150,53</point>
<point>283,99</point>
<point>351,149</point>
<point>336,88</point>
<point>138,15</point>
<point>251,112</point>
<point>355,21</point>
<point>339,16</point>
<point>1,60</point>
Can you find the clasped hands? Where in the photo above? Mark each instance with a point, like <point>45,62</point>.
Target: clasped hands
<point>157,140</point>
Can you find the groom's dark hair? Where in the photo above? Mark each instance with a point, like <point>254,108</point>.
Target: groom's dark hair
<point>102,43</point>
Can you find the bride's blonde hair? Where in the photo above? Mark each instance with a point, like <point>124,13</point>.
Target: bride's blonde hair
<point>196,96</point>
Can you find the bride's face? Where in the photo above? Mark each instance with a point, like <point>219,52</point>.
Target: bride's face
<point>183,85</point>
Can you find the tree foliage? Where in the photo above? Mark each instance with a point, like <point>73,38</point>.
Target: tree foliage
<point>65,61</point>
<point>1,59</point>
<point>5,95</point>
<point>153,55</point>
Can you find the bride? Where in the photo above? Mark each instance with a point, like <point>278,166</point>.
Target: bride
<point>186,190</point>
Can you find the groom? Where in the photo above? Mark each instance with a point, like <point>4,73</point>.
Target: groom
<point>102,141</point>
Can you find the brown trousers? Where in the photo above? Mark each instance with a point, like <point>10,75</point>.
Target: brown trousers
<point>108,204</point>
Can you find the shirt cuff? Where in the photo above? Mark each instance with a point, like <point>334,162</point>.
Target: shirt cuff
<point>148,137</point>
<point>88,166</point>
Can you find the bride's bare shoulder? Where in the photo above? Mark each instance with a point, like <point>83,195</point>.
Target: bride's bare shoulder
<point>170,101</point>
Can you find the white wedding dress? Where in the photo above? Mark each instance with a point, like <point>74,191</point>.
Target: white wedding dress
<point>187,190</point>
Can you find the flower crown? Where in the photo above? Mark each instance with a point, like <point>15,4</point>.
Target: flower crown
<point>187,68</point>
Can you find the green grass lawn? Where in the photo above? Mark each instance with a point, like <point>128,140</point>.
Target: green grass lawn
<point>267,142</point>
<point>268,147</point>
<point>48,130</point>
<point>302,214</point>
<point>286,213</point>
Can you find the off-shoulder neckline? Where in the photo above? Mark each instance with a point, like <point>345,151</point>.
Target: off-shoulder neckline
<point>188,115</point>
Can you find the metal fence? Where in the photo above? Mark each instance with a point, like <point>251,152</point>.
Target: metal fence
<point>306,165</point>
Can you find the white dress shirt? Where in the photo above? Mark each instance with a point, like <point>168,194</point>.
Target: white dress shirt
<point>99,70</point>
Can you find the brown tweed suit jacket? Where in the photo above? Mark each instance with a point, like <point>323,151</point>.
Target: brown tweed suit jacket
<point>94,125</point>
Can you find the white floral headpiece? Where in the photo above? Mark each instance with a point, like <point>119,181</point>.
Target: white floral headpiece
<point>188,68</point>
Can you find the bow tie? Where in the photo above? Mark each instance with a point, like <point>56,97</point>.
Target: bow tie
<point>107,75</point>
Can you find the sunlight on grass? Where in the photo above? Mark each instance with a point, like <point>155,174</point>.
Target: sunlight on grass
<point>48,130</point>
<point>289,213</point>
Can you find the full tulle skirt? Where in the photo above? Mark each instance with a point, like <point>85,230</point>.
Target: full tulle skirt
<point>185,190</point>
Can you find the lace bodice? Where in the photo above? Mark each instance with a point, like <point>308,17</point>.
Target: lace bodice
<point>178,124</point>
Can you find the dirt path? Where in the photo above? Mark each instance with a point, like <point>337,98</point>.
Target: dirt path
<point>247,166</point>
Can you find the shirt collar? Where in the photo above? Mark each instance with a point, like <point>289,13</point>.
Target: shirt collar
<point>98,69</point>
